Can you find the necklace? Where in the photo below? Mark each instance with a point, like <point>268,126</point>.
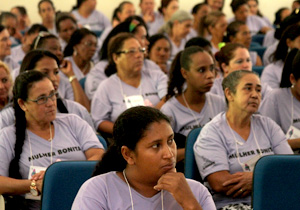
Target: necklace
<point>50,139</point>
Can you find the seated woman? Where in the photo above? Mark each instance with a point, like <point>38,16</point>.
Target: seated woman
<point>40,137</point>
<point>283,104</point>
<point>290,39</point>
<point>193,106</point>
<point>213,28</point>
<point>138,171</point>
<point>5,85</point>
<point>233,57</point>
<point>216,5</point>
<point>129,87</point>
<point>254,10</point>
<point>228,147</point>
<point>238,32</point>
<point>47,63</point>
<point>160,51</point>
<point>177,30</point>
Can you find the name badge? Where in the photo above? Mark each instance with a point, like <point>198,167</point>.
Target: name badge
<point>293,133</point>
<point>132,101</point>
<point>249,165</point>
<point>34,170</point>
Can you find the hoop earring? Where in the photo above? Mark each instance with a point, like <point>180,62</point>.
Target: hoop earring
<point>75,53</point>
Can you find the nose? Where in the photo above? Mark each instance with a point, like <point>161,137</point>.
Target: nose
<point>1,85</point>
<point>167,153</point>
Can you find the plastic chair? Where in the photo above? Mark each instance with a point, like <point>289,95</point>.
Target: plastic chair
<point>82,82</point>
<point>260,51</point>
<point>258,69</point>
<point>190,166</point>
<point>276,182</point>
<point>259,38</point>
<point>62,181</point>
<point>98,33</point>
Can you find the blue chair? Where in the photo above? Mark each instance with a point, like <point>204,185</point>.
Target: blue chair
<point>62,181</point>
<point>190,166</point>
<point>259,38</point>
<point>260,51</point>
<point>276,182</point>
<point>102,140</point>
<point>98,33</point>
<point>258,69</point>
<point>82,82</point>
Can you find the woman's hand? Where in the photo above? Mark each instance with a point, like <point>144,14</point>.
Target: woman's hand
<point>241,183</point>
<point>38,176</point>
<point>177,186</point>
<point>66,68</point>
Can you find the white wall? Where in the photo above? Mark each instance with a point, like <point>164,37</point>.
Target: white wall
<point>267,7</point>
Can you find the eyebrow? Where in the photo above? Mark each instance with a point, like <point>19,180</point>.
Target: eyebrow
<point>251,84</point>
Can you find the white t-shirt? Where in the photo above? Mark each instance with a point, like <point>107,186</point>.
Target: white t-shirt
<point>17,54</point>
<point>154,26</point>
<point>271,74</point>
<point>96,21</point>
<point>108,191</point>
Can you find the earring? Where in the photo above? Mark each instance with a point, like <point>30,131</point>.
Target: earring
<point>293,85</point>
<point>75,52</point>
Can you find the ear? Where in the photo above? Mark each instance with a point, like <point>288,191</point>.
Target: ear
<point>210,28</point>
<point>115,57</point>
<point>184,73</point>
<point>22,105</point>
<point>292,79</point>
<point>128,155</point>
<point>231,39</point>
<point>228,94</point>
<point>225,69</point>
<point>289,42</point>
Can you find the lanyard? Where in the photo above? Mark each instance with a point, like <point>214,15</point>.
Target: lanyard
<point>122,91</point>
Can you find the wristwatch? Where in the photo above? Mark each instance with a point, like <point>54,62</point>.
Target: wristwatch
<point>71,78</point>
<point>33,189</point>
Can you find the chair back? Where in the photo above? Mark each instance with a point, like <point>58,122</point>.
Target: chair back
<point>258,69</point>
<point>276,182</point>
<point>190,166</point>
<point>62,181</point>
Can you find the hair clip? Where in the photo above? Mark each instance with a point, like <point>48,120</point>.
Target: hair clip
<point>133,25</point>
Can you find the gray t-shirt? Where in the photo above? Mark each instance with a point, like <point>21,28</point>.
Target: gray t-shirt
<point>271,74</point>
<point>182,119</point>
<point>108,191</point>
<point>215,149</point>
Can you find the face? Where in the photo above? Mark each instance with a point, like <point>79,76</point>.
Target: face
<point>248,94</point>
<point>182,28</point>
<point>131,62</point>
<point>219,29</point>
<point>47,12</point>
<point>147,6</point>
<point>87,47</point>
<point>240,61</point>
<point>5,44</point>
<point>128,10</point>
<point>215,4</point>
<point>40,113</point>
<point>29,38</point>
<point>295,5</point>
<point>294,43</point>
<point>141,35</point>
<point>200,76</point>
<point>285,13</point>
<point>160,51</point>
<point>91,4</point>
<point>16,12</point>
<point>243,36</point>
<point>253,7</point>
<point>203,11</point>
<point>5,84</point>
<point>11,25</point>
<point>49,67</point>
<point>155,153</point>
<point>242,13</point>
<point>172,7</point>
<point>296,86</point>
<point>67,28</point>
<point>53,46</point>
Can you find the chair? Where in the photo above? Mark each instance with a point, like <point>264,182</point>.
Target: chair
<point>190,167</point>
<point>259,38</point>
<point>260,51</point>
<point>258,69</point>
<point>276,182</point>
<point>62,181</point>
<point>98,33</point>
<point>82,82</point>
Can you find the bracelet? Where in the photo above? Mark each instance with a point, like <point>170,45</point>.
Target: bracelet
<point>71,78</point>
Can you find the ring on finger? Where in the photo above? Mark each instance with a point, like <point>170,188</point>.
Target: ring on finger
<point>241,190</point>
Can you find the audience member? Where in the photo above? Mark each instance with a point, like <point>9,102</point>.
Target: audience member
<point>10,22</point>
<point>199,11</point>
<point>5,85</point>
<point>215,5</point>
<point>23,19</point>
<point>254,10</point>
<point>65,26</point>
<point>47,12</point>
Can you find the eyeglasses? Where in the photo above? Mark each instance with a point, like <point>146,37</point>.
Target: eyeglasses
<point>37,40</point>
<point>132,51</point>
<point>44,99</point>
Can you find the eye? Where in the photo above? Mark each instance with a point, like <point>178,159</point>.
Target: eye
<point>56,72</point>
<point>155,146</point>
<point>201,70</point>
<point>170,141</point>
<point>4,80</point>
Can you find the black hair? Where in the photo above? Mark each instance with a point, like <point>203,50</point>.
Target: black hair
<point>294,18</point>
<point>1,28</point>
<point>233,29</point>
<point>197,7</point>
<point>291,32</point>
<point>291,66</point>
<point>78,4</point>
<point>41,39</point>
<point>206,1</point>
<point>235,4</point>
<point>114,46</point>
<point>42,1</point>
<point>164,4</point>
<point>198,41</point>
<point>128,130</point>
<point>75,39</point>
<point>5,15</point>
<point>64,16</point>
<point>122,27</point>
<point>21,9</point>
<point>153,39</point>
<point>278,14</point>
<point>36,28</point>
<point>181,60</point>
<point>29,63</point>
<point>23,84</point>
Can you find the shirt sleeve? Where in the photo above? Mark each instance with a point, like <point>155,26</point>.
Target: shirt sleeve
<point>269,108</point>
<point>7,144</point>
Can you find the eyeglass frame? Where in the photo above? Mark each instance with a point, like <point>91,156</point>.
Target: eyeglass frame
<point>41,35</point>
<point>45,98</point>
<point>132,51</point>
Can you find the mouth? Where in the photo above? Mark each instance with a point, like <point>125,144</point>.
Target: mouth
<point>169,166</point>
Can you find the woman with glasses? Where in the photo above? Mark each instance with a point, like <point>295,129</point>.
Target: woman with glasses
<point>130,86</point>
<point>39,138</point>
<point>80,50</point>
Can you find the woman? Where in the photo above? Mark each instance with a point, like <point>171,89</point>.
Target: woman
<point>193,106</point>
<point>87,16</point>
<point>39,137</point>
<point>199,11</point>
<point>80,50</point>
<point>129,86</point>
<point>5,85</point>
<point>238,32</point>
<point>254,10</point>
<point>167,8</point>
<point>290,39</point>
<point>160,51</point>
<point>228,147</point>
<point>282,105</point>
<point>213,27</point>
<point>134,25</point>
<point>5,50</point>
<point>138,172</point>
<point>231,58</point>
<point>216,5</point>
<point>176,29</point>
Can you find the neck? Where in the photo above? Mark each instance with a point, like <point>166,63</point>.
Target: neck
<point>196,26</point>
<point>216,40</point>
<point>83,65</point>
<point>84,12</point>
<point>48,24</point>
<point>176,39</point>
<point>25,48</point>
<point>133,79</point>
<point>3,102</point>
<point>237,119</point>
<point>193,97</point>
<point>295,94</point>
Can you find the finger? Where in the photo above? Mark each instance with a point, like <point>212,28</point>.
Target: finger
<point>231,181</point>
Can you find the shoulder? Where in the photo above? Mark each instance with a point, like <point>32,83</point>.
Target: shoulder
<point>217,124</point>
<point>171,103</point>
